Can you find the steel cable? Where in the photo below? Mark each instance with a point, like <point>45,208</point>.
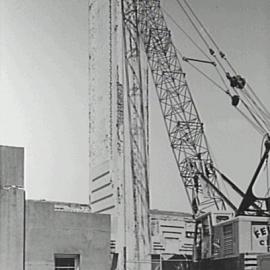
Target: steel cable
<point>187,35</point>
<point>259,115</point>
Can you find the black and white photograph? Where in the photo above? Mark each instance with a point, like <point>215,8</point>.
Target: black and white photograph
<point>135,135</point>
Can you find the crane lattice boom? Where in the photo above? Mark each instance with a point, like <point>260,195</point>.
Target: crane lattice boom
<point>181,117</point>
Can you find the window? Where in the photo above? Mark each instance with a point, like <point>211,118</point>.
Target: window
<point>66,262</point>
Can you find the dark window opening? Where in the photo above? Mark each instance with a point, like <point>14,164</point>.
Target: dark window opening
<point>66,262</point>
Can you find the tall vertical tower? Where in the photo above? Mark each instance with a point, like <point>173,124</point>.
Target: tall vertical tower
<point>12,197</point>
<point>118,114</point>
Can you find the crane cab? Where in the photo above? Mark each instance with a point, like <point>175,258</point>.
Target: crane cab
<point>227,242</point>
<point>205,225</point>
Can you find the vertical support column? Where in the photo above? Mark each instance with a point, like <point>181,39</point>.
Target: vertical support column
<point>12,198</point>
<point>113,187</point>
<point>137,106</point>
<point>100,107</point>
<point>106,118</point>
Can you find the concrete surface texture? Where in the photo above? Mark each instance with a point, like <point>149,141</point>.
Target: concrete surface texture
<point>51,232</point>
<point>11,208</point>
<point>114,151</point>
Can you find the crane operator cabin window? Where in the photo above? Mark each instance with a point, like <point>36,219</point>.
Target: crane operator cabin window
<point>66,262</point>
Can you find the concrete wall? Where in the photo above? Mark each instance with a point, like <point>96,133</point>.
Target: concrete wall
<point>50,232</point>
<point>32,232</point>
<point>111,164</point>
<point>101,108</point>
<point>11,208</point>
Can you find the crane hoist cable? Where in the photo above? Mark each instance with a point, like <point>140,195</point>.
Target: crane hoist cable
<point>171,87</point>
<point>259,115</point>
<point>211,51</point>
<point>242,90</point>
<point>257,126</point>
<point>253,110</point>
<point>264,110</point>
<point>195,26</point>
<point>204,40</point>
<point>202,26</point>
<point>258,100</point>
<point>182,120</point>
<point>186,34</point>
<point>254,117</point>
<point>199,48</point>
<point>257,110</point>
<point>222,55</point>
<point>203,73</point>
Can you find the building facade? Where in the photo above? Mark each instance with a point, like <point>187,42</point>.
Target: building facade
<point>172,233</point>
<point>42,235</point>
<point>172,239</point>
<point>118,134</point>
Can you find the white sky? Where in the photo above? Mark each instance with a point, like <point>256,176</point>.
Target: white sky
<point>44,95</point>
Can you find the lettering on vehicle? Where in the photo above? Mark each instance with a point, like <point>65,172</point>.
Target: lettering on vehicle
<point>260,233</point>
